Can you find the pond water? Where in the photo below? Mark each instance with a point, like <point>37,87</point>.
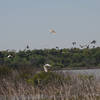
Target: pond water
<point>95,72</point>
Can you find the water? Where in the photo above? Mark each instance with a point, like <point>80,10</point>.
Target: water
<point>95,72</point>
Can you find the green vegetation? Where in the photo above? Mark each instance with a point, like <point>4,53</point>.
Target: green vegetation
<point>58,58</point>
<point>21,74</point>
<point>44,78</point>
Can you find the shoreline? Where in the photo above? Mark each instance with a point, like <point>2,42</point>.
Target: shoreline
<point>79,68</point>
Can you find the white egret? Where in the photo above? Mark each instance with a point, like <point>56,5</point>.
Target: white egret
<point>9,56</point>
<point>46,67</point>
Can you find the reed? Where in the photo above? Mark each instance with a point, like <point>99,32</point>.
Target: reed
<point>80,87</point>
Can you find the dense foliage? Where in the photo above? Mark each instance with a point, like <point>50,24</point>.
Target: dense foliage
<point>58,58</point>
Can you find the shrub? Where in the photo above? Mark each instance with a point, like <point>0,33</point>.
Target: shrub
<point>45,78</point>
<point>85,77</point>
<point>5,71</point>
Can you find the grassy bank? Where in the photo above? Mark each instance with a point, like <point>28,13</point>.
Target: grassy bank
<point>29,84</point>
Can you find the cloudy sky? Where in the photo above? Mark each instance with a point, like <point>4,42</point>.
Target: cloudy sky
<point>25,22</point>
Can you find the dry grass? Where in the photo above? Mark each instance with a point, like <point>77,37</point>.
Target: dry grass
<point>82,87</point>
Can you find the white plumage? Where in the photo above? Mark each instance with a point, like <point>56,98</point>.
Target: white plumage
<point>45,67</point>
<point>9,56</point>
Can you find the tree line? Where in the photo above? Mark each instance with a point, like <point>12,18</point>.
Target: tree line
<point>58,58</point>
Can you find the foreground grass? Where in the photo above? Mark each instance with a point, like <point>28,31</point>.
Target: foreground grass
<point>30,85</point>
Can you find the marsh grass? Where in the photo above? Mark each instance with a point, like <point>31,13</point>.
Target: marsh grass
<point>80,87</point>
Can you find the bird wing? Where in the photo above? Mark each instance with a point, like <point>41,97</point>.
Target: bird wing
<point>52,31</point>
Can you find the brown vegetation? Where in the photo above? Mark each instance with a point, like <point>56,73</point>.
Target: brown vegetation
<point>15,85</point>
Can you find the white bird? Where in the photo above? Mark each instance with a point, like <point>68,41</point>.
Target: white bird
<point>48,65</point>
<point>9,56</point>
<point>45,67</point>
<point>52,31</point>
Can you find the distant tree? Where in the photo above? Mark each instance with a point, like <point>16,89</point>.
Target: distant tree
<point>93,42</point>
<point>57,47</point>
<point>87,46</point>
<point>27,47</point>
<point>1,55</point>
<point>81,46</point>
<point>73,43</point>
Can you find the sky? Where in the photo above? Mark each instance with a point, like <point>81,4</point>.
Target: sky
<point>27,22</point>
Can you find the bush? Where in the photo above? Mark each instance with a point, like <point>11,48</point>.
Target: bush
<point>5,71</point>
<point>86,77</point>
<point>81,64</point>
<point>45,78</point>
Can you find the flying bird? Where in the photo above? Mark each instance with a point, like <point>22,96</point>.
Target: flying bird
<point>9,56</point>
<point>46,67</point>
<point>52,31</point>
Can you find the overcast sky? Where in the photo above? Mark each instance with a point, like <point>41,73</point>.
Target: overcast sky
<point>25,22</point>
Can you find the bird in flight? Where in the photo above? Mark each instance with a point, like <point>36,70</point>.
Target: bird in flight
<point>46,66</point>
<point>52,31</point>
